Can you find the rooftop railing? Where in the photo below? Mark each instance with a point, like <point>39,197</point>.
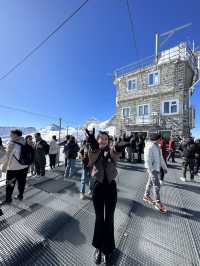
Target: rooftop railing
<point>181,52</point>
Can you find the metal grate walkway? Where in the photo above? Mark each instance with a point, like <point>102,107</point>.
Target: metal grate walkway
<point>52,226</point>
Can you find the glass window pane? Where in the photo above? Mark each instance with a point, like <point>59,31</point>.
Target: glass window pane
<point>151,79</point>
<point>146,109</point>
<point>141,110</point>
<point>166,107</point>
<point>129,85</point>
<point>126,112</point>
<point>174,107</point>
<point>156,78</point>
<point>132,84</point>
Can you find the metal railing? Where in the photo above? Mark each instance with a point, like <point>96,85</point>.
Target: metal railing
<point>181,52</point>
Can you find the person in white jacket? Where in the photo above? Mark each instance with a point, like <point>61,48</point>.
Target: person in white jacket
<point>53,152</point>
<point>153,162</point>
<point>11,166</point>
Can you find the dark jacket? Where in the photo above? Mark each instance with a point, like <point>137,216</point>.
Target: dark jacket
<point>71,150</point>
<point>140,145</point>
<point>84,152</point>
<point>189,149</point>
<point>103,164</point>
<point>197,150</point>
<point>41,149</point>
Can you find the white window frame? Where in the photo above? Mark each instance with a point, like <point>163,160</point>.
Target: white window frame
<point>136,84</point>
<point>153,72</point>
<point>170,103</point>
<point>128,107</point>
<point>143,110</point>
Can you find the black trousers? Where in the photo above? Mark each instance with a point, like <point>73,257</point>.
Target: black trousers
<point>191,164</point>
<point>11,178</point>
<point>104,200</point>
<point>139,157</point>
<point>197,165</point>
<point>52,160</point>
<point>171,156</point>
<point>162,174</point>
<point>40,165</point>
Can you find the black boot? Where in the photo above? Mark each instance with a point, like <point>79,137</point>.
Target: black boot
<point>1,212</point>
<point>108,260</point>
<point>97,256</point>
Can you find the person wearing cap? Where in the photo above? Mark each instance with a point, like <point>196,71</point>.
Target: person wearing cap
<point>153,163</point>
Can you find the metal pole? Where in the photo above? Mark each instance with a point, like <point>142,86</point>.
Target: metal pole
<point>60,127</point>
<point>193,46</point>
<point>59,138</point>
<point>77,134</point>
<point>157,50</point>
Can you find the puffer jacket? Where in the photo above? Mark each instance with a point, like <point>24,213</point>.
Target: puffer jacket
<point>153,158</point>
<point>54,147</point>
<point>103,167</point>
<point>10,160</point>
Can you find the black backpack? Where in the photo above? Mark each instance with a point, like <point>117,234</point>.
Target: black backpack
<point>26,154</point>
<point>46,148</point>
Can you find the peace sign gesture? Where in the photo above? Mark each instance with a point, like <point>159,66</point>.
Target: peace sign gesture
<point>89,134</point>
<point>91,139</point>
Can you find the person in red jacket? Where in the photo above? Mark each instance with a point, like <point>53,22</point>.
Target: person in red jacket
<point>171,150</point>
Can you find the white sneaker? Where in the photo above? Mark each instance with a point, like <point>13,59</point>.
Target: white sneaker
<point>36,176</point>
<point>82,196</point>
<point>89,193</point>
<point>183,179</point>
<point>161,182</point>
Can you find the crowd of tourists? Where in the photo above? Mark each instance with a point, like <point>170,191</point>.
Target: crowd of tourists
<point>99,156</point>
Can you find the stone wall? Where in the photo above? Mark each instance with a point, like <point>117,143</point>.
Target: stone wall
<point>175,81</point>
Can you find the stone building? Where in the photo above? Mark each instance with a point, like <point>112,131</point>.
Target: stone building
<point>155,96</point>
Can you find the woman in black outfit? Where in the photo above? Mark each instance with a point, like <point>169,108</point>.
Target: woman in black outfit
<point>103,159</point>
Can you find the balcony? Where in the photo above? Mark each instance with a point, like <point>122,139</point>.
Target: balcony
<point>135,120</point>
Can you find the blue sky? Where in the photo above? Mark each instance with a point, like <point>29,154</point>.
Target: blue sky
<point>71,75</point>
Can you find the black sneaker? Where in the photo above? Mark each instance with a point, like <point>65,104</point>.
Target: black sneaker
<point>7,201</point>
<point>1,212</point>
<point>97,256</point>
<point>107,260</point>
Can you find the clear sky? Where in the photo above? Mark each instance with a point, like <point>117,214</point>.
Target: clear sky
<point>71,75</point>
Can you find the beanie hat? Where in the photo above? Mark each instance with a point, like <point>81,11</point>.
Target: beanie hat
<point>155,136</point>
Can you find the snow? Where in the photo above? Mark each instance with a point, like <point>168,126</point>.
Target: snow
<point>78,133</point>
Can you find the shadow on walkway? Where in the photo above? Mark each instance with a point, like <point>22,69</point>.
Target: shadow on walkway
<point>191,188</point>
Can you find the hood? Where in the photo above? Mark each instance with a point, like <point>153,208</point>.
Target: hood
<point>21,140</point>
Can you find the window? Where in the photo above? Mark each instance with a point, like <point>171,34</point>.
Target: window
<point>143,110</point>
<point>166,107</point>
<point>132,84</point>
<point>154,78</point>
<point>170,107</point>
<point>174,107</point>
<point>126,112</point>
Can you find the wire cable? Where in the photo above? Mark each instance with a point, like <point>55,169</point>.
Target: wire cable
<point>26,111</point>
<point>34,50</point>
<point>132,27</point>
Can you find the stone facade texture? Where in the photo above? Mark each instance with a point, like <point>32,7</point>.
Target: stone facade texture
<point>176,79</point>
